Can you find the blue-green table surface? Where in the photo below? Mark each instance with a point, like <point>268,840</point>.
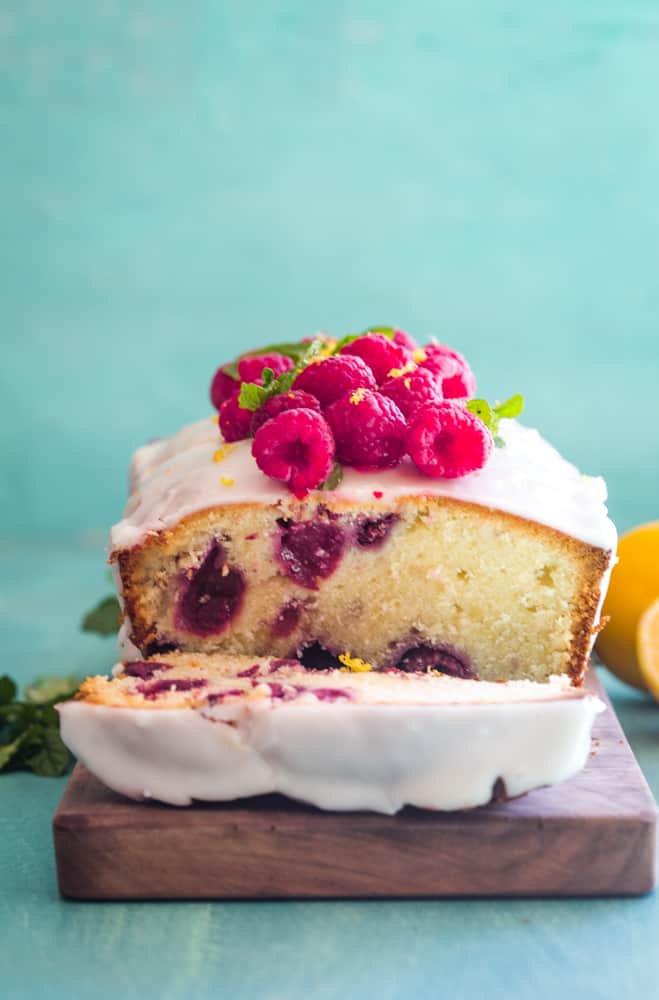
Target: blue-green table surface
<point>279,950</point>
<point>179,181</point>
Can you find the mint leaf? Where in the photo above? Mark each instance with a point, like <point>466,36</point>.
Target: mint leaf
<point>104,618</point>
<point>481,409</point>
<point>7,690</point>
<point>267,377</point>
<point>511,407</point>
<point>8,751</point>
<point>334,478</point>
<point>491,415</point>
<point>251,396</point>
<point>52,757</point>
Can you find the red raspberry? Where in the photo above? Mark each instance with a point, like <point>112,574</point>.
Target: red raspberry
<point>446,441</point>
<point>380,354</point>
<point>369,430</point>
<point>234,420</point>
<point>409,392</point>
<point>222,387</point>
<point>331,378</point>
<point>296,447</point>
<point>279,404</point>
<point>404,340</point>
<point>458,380</point>
<point>251,369</point>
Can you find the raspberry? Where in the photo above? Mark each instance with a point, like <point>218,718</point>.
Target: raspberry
<point>296,447</point>
<point>222,387</point>
<point>380,354</point>
<point>369,430</point>
<point>251,369</point>
<point>409,392</point>
<point>446,441</point>
<point>458,380</point>
<point>278,404</point>
<point>234,420</point>
<point>331,378</point>
<point>404,340</point>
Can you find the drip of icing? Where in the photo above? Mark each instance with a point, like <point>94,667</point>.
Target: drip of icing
<point>177,476</point>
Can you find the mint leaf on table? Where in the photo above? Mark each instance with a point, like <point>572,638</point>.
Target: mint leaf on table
<point>52,757</point>
<point>104,619</point>
<point>29,728</point>
<point>7,690</point>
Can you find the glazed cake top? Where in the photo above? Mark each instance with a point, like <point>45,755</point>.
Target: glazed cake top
<point>193,470</point>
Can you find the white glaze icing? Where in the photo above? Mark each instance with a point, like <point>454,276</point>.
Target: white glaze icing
<point>176,476</point>
<point>445,752</point>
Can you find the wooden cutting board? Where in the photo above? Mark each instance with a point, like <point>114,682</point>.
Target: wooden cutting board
<point>593,835</point>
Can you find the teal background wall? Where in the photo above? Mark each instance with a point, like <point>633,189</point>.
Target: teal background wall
<point>181,181</point>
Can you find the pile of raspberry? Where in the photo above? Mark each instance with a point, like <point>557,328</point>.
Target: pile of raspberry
<point>368,406</point>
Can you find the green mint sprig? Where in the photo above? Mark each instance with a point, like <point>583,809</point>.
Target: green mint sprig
<point>29,727</point>
<point>491,415</point>
<point>253,396</point>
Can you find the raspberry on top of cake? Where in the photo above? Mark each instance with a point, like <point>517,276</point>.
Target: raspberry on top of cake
<point>352,494</point>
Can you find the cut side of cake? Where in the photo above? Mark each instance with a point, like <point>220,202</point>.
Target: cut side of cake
<point>181,727</point>
<point>498,574</point>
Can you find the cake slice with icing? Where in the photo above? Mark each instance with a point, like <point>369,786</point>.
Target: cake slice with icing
<point>184,727</point>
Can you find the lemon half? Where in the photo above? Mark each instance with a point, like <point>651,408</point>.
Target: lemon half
<point>634,587</point>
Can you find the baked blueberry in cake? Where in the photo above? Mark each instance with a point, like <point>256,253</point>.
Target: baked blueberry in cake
<point>354,497</point>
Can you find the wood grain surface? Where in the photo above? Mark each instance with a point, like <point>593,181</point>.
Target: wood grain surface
<point>593,835</point>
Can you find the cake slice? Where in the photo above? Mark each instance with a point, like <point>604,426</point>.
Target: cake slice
<point>183,727</point>
<point>444,553</point>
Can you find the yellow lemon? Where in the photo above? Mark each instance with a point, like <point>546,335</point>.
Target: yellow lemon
<point>647,647</point>
<point>634,586</point>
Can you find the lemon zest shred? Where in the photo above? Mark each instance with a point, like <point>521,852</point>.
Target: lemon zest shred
<point>357,396</point>
<point>405,370</point>
<point>419,355</point>
<point>354,664</point>
<point>223,452</point>
<point>226,481</point>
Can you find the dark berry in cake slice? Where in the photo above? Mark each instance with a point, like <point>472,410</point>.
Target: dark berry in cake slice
<point>310,551</point>
<point>445,659</point>
<point>371,532</point>
<point>211,597</point>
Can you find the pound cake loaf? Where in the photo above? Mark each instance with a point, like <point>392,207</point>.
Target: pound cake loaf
<point>356,499</point>
<point>210,727</point>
